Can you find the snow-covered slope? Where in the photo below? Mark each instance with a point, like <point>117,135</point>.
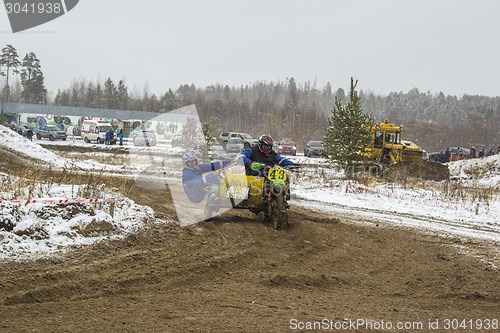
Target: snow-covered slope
<point>483,171</point>
<point>12,140</point>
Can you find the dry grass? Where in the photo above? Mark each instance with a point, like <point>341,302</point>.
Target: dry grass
<point>457,190</point>
<point>24,179</point>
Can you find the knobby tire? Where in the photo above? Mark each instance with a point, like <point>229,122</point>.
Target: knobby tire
<point>277,212</point>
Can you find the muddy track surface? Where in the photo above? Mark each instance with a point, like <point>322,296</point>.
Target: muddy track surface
<point>236,274</point>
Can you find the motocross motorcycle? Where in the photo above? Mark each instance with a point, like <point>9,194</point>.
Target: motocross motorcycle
<point>266,193</point>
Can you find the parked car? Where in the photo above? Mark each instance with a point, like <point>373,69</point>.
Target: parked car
<point>235,145</point>
<point>455,154</point>
<point>248,140</point>
<point>24,128</point>
<point>144,138</point>
<point>314,148</point>
<point>434,156</point>
<point>51,132</point>
<point>286,146</point>
<point>21,129</point>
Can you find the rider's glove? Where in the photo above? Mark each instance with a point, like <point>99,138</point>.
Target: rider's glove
<point>255,166</point>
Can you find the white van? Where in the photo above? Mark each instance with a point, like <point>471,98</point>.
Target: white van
<point>95,130</point>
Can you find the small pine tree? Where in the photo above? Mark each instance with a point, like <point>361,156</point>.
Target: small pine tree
<point>348,132</point>
<point>208,130</point>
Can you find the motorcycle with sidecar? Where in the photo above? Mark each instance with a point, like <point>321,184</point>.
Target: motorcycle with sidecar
<point>266,193</point>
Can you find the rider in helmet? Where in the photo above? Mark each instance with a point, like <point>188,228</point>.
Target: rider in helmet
<point>197,177</point>
<point>261,155</point>
<point>257,157</point>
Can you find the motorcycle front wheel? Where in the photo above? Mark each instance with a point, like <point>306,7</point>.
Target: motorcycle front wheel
<point>277,212</point>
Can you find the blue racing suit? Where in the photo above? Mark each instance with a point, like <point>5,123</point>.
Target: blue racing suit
<point>196,179</point>
<point>253,154</point>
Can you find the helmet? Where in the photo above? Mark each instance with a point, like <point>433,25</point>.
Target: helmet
<point>188,157</point>
<point>265,143</point>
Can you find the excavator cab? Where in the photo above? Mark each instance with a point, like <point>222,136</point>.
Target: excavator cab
<point>386,146</point>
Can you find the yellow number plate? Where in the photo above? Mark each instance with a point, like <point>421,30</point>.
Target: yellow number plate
<point>277,173</point>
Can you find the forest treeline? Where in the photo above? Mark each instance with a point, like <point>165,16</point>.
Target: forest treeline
<point>301,110</point>
<point>282,109</point>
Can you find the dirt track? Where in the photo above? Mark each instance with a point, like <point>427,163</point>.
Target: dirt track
<point>236,274</point>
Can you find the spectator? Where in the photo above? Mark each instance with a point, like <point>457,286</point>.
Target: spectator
<point>498,151</point>
<point>473,152</point>
<point>481,153</point>
<point>120,136</point>
<point>112,139</point>
<point>490,152</point>
<point>447,155</point>
<point>29,134</point>
<point>107,138</point>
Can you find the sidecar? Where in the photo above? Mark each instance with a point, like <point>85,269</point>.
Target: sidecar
<point>242,191</point>
<point>255,193</point>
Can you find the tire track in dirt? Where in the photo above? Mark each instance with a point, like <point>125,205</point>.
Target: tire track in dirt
<point>430,224</point>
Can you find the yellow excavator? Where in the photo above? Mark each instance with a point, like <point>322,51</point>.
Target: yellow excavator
<point>412,152</point>
<point>387,148</point>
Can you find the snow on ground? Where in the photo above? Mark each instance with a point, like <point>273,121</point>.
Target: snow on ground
<point>55,221</point>
<point>479,171</point>
<point>12,140</point>
<point>425,206</point>
<point>33,149</point>
<point>43,229</point>
<point>31,230</point>
<point>410,208</point>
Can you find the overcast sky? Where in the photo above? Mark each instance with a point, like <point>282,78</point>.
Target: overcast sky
<point>451,46</point>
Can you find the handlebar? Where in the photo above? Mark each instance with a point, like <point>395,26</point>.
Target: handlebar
<point>293,167</point>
